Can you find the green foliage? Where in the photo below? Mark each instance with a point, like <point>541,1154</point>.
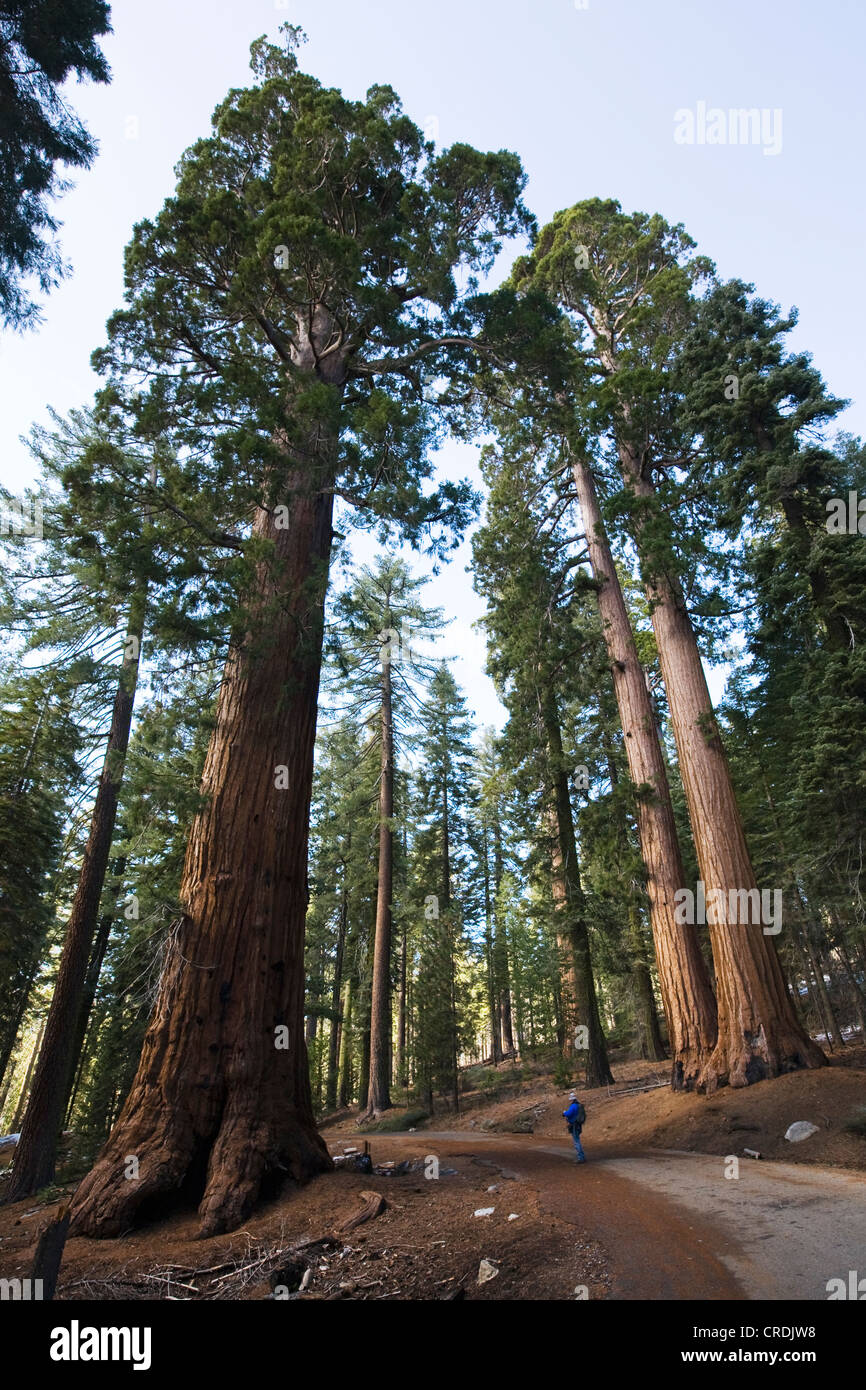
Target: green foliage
<point>856,1124</point>
<point>40,746</point>
<point>42,44</point>
<point>396,1122</point>
<point>562,1073</point>
<point>159,797</point>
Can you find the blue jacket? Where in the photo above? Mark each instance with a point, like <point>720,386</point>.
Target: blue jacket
<point>571,1113</point>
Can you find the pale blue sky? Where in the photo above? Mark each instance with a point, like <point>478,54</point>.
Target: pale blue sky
<point>586,96</point>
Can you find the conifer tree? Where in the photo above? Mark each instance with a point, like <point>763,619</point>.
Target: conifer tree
<point>42,44</point>
<point>314,247</point>
<point>627,282</point>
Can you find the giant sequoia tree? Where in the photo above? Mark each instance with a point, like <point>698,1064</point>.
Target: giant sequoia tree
<point>688,998</point>
<point>626,282</point>
<point>289,305</point>
<point>543,434</point>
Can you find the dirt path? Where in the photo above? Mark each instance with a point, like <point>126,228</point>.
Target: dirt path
<point>673,1225</point>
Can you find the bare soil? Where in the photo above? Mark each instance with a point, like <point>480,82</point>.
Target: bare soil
<point>579,1231</point>
<point>754,1117</point>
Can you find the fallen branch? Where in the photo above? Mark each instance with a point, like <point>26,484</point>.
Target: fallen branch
<point>373,1204</point>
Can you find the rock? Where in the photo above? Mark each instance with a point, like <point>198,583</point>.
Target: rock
<point>486,1272</point>
<point>493,1188</point>
<point>514,1216</point>
<point>484,1211</point>
<point>353,1162</point>
<point>802,1129</point>
<point>522,1124</point>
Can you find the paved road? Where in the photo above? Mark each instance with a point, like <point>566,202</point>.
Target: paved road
<point>674,1226</point>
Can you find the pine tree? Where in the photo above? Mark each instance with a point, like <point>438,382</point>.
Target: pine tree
<point>379,622</point>
<point>42,43</point>
<point>342,868</point>
<point>442,852</point>
<point>40,746</point>
<point>526,573</point>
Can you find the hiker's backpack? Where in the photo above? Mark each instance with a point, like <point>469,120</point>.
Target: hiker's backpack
<point>580,1118</point>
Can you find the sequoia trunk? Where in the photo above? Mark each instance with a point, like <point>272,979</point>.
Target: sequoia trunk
<point>758,1034</point>
<point>687,996</point>
<point>221,1099</point>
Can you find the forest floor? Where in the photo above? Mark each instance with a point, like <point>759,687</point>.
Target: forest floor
<point>651,1215</point>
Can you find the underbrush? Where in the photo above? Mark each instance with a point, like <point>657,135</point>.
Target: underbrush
<point>395,1121</point>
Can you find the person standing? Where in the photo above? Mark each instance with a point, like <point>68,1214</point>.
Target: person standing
<point>575,1117</point>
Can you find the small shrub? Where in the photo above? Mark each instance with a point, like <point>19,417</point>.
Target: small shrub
<point>51,1193</point>
<point>856,1124</point>
<point>395,1121</point>
<point>489,1082</point>
<point>561,1074</point>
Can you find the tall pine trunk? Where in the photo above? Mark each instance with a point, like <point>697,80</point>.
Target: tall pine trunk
<point>494,1004</point>
<point>10,1036</point>
<point>336,990</point>
<point>500,947</point>
<point>21,1103</point>
<point>37,1148</point>
<point>687,996</point>
<point>379,1093</point>
<point>575,931</point>
<point>566,979</point>
<point>91,981</point>
<point>344,1091</point>
<point>401,1069</point>
<point>219,1100</point>
<point>649,1038</point>
<point>759,1034</point>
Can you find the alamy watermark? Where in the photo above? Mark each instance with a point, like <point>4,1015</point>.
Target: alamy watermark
<point>854,1289</point>
<point>846,518</point>
<point>738,125</point>
<point>77,1343</point>
<point>729,906</point>
<point>20,1290</point>
<point>396,646</point>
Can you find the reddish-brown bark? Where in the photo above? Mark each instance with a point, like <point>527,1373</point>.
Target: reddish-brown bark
<point>216,1100</point>
<point>759,1034</point>
<point>687,996</point>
